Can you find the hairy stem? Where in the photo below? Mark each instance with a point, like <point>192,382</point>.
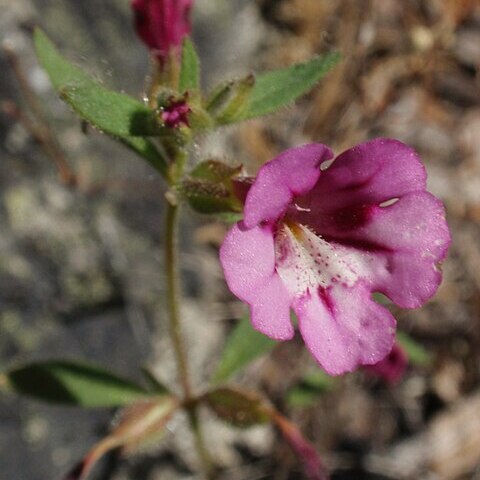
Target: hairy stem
<point>176,335</point>
<point>172,299</point>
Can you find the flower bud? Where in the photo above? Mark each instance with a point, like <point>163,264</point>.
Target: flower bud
<point>162,25</point>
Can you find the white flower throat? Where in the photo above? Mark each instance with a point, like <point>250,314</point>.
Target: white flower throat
<point>305,261</point>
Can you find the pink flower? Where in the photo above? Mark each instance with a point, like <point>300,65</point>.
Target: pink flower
<point>162,24</point>
<point>320,241</point>
<point>392,368</point>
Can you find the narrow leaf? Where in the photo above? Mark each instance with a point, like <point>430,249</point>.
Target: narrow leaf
<point>229,218</point>
<point>114,113</point>
<point>111,112</point>
<point>60,71</point>
<point>72,383</point>
<point>243,346</point>
<point>190,69</point>
<point>301,397</point>
<point>417,354</point>
<point>153,382</point>
<point>310,388</point>
<point>277,89</point>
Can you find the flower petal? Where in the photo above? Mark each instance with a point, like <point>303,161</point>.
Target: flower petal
<point>343,328</point>
<point>248,261</point>
<point>415,223</point>
<point>416,234</point>
<point>270,309</point>
<point>370,173</point>
<point>292,173</point>
<point>248,258</point>
<point>408,238</point>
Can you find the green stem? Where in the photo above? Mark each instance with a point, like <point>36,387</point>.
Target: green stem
<point>176,335</point>
<point>200,445</point>
<point>172,299</point>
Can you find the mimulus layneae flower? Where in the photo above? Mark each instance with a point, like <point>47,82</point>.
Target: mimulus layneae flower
<point>162,24</point>
<point>321,240</point>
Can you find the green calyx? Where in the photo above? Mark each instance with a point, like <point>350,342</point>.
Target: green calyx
<point>228,103</point>
<point>209,188</point>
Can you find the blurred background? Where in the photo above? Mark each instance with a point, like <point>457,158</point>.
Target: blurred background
<point>81,269</point>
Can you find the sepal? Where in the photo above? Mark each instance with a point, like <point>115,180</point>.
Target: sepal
<point>229,102</point>
<point>239,408</point>
<point>210,189</point>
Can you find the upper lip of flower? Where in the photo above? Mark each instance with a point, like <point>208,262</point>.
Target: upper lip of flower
<point>342,212</point>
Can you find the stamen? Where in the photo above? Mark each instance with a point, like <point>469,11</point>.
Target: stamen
<point>302,209</point>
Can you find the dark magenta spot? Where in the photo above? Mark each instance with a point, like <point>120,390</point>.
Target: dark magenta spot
<point>326,299</point>
<point>351,218</point>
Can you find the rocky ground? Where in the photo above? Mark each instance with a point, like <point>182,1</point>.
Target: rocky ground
<point>81,272</point>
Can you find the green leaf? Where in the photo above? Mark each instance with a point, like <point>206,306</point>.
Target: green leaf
<point>277,89</point>
<point>243,346</point>
<point>117,114</point>
<point>60,71</point>
<point>153,382</point>
<point>229,218</point>
<point>72,383</point>
<point>300,397</point>
<point>111,112</point>
<point>190,69</point>
<point>310,388</point>
<point>242,409</point>
<point>416,353</point>
<point>381,299</point>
